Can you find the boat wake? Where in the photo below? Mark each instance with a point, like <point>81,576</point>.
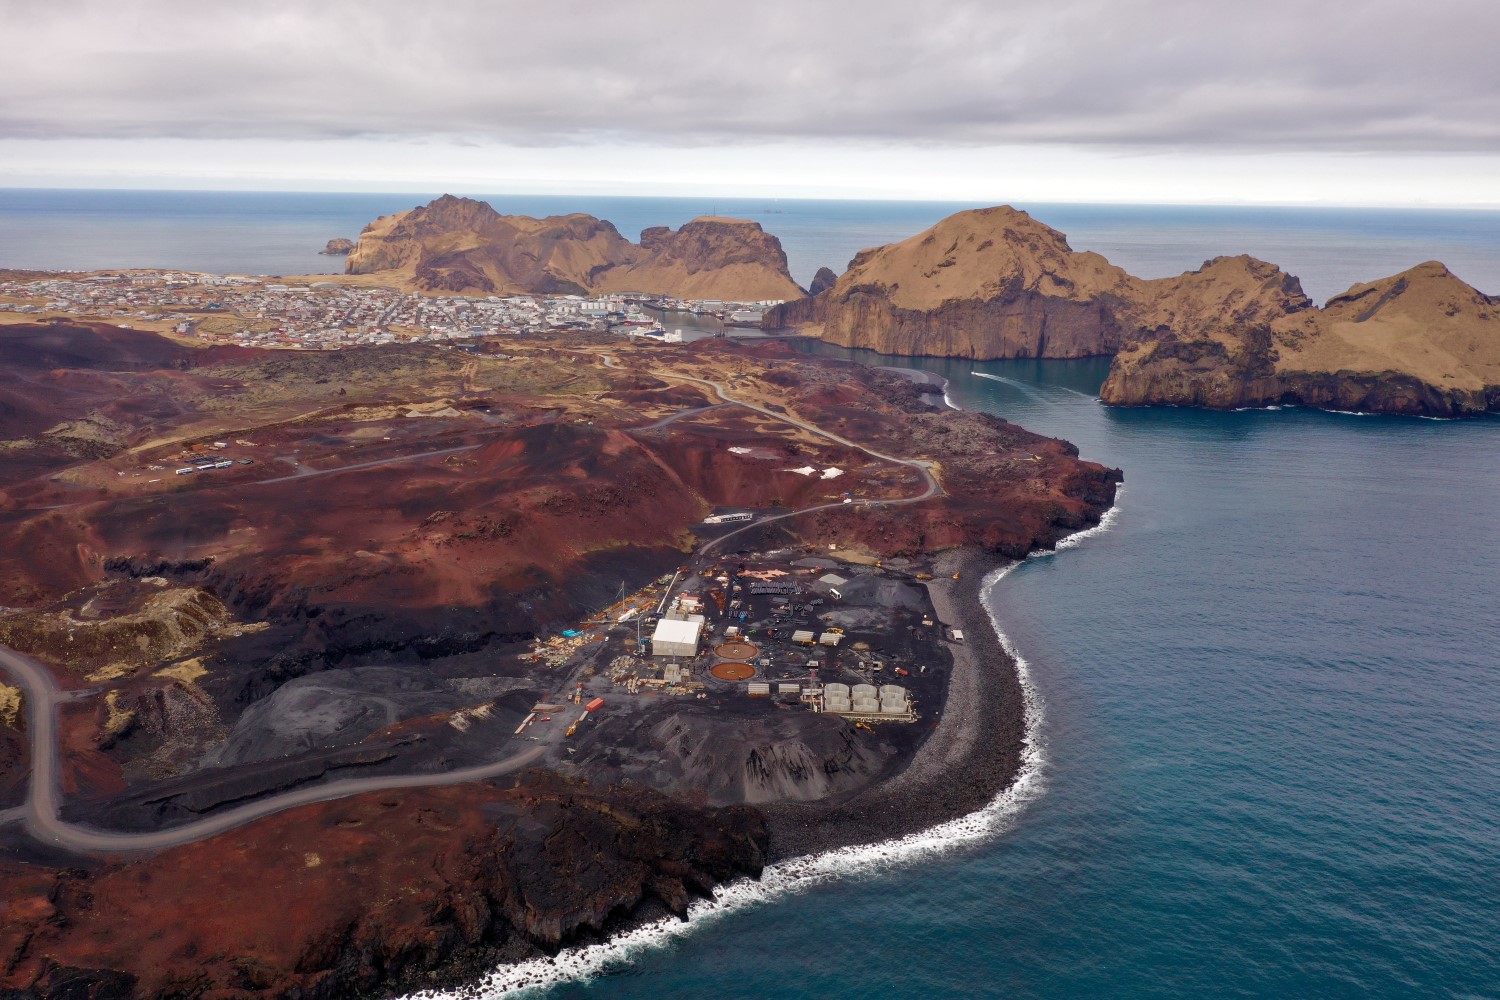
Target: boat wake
<point>1041,393</point>
<point>796,875</point>
<point>1024,389</point>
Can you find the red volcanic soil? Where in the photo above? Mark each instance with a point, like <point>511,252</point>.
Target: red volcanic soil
<point>422,563</point>
<point>115,380</point>
<point>88,346</point>
<point>365,894</point>
<point>86,770</point>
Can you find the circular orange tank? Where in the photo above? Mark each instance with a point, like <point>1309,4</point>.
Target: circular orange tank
<point>732,671</point>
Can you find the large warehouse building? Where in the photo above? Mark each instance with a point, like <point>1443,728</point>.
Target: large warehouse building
<point>677,636</point>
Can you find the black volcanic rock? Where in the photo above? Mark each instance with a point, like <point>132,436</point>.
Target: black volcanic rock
<point>822,281</point>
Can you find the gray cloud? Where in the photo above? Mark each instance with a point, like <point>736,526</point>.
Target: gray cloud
<point>1356,75</point>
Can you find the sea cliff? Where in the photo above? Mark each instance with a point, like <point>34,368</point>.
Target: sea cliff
<point>1237,332</point>
<point>984,284</point>
<point>1421,343</point>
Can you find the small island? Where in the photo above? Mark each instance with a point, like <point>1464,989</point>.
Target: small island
<point>339,246</point>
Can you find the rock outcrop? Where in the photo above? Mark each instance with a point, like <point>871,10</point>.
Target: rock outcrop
<point>463,245</point>
<point>708,258</point>
<point>1421,342</point>
<point>822,281</point>
<point>338,247</point>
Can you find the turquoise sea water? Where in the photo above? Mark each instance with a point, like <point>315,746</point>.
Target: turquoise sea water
<point>1270,694</point>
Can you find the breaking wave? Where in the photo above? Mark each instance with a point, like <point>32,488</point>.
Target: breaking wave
<point>794,875</point>
<point>1079,537</point>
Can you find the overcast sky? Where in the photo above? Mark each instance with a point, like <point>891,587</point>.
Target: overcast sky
<point>1371,102</point>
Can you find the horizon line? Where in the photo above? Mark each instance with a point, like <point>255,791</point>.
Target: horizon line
<point>853,198</point>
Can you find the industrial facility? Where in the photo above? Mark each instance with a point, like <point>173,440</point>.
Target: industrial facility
<point>677,634</point>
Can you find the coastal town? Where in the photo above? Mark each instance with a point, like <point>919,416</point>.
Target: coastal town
<point>318,313</point>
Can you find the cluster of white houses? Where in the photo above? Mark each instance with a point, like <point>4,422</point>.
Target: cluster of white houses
<point>330,314</point>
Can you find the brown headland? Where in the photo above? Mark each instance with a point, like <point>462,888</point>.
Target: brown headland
<point>995,283</point>
<point>464,245</point>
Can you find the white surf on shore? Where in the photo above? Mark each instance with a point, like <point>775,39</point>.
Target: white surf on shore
<point>795,875</point>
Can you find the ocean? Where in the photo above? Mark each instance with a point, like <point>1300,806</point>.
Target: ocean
<point>280,233</point>
<point>1266,695</point>
<point>1267,739</point>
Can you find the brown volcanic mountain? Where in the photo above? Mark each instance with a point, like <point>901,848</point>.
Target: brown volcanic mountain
<point>1420,342</point>
<point>987,283</point>
<point>463,245</point>
<point>995,283</point>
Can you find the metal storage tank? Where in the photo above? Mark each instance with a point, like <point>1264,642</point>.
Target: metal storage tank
<point>893,706</point>
<point>864,691</point>
<point>892,691</point>
<point>866,706</point>
<point>836,691</point>
<point>836,703</point>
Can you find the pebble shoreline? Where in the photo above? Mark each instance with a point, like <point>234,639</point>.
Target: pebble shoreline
<point>973,755</point>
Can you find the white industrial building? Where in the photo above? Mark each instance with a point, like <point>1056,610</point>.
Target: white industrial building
<point>866,698</point>
<point>890,700</point>
<point>677,636</point>
<point>893,700</point>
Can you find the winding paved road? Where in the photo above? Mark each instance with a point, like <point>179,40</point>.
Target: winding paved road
<point>44,795</point>
<point>41,812</point>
